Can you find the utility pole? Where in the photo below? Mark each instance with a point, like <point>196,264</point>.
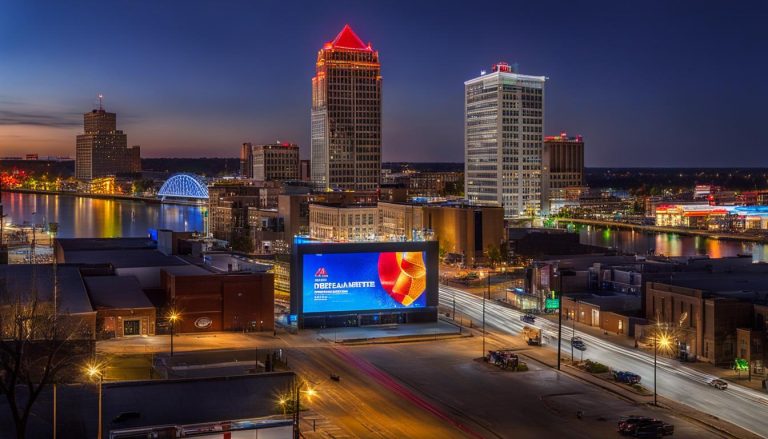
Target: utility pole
<point>489,292</point>
<point>559,325</point>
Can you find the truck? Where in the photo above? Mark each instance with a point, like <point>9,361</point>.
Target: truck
<point>532,336</point>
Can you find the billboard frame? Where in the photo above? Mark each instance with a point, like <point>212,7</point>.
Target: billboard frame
<point>426,313</point>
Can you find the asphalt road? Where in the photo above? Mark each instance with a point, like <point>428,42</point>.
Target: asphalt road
<point>497,403</point>
<point>741,406</point>
<point>365,403</point>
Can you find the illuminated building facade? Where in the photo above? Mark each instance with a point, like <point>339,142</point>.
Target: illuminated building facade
<point>348,222</point>
<point>562,168</point>
<point>346,115</point>
<point>276,162</point>
<point>102,150</point>
<point>503,137</point>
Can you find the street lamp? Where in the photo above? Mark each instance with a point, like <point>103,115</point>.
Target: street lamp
<point>95,370</point>
<point>659,340</point>
<point>310,392</point>
<point>173,316</point>
<point>488,283</point>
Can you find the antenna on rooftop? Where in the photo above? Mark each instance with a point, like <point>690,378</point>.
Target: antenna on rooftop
<point>101,101</point>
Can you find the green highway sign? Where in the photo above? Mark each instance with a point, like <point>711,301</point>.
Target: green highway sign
<point>552,304</point>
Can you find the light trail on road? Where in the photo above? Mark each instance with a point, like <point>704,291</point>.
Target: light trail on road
<point>739,405</point>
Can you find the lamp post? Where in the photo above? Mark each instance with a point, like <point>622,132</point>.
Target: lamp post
<point>297,415</point>
<point>488,283</point>
<point>172,317</point>
<point>95,370</point>
<point>664,341</point>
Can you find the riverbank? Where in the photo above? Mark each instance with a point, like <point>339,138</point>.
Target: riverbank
<point>148,200</point>
<point>662,229</point>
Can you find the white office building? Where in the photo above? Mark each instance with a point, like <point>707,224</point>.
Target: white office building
<point>503,140</point>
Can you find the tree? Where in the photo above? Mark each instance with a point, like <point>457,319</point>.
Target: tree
<point>493,253</point>
<point>38,348</point>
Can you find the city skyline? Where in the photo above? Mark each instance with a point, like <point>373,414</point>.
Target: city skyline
<point>629,80</point>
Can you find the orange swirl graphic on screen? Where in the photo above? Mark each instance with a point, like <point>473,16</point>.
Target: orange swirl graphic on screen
<point>403,275</point>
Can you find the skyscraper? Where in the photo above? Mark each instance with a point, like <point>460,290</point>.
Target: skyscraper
<point>103,149</point>
<point>346,115</point>
<point>503,134</point>
<point>562,169</point>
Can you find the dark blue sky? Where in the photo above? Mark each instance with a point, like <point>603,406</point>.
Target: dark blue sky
<point>647,83</point>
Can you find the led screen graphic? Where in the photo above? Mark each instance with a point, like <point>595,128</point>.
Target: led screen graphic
<point>364,281</point>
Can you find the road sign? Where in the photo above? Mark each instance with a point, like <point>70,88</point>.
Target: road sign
<point>552,304</point>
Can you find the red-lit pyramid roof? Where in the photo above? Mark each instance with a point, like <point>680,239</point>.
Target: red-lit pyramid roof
<point>348,39</point>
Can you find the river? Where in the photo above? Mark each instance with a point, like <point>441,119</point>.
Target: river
<point>81,217</point>
<point>668,244</point>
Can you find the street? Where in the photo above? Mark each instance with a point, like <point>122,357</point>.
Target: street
<point>744,407</point>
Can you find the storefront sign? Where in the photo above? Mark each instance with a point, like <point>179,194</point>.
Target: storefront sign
<point>203,323</point>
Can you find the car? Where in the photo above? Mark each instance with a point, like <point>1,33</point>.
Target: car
<point>578,344</point>
<point>626,377</point>
<point>629,422</point>
<point>528,318</point>
<point>718,384</point>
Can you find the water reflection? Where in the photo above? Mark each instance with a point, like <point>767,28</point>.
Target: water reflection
<point>97,218</point>
<point>669,244</point>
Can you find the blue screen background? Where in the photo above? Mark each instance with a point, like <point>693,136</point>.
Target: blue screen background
<point>349,267</point>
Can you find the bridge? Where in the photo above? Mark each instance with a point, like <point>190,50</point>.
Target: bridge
<point>186,186</point>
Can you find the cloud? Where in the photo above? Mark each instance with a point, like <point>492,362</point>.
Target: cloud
<point>8,117</point>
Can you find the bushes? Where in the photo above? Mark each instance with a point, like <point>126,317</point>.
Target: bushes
<point>595,367</point>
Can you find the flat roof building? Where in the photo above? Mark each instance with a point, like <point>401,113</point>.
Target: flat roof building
<point>503,137</point>
<point>102,150</point>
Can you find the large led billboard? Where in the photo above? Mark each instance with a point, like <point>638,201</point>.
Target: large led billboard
<point>338,282</point>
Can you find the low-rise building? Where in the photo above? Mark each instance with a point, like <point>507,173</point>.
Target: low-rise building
<point>343,222</point>
<point>221,302</point>
<point>705,309</point>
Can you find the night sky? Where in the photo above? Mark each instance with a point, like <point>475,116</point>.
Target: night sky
<point>667,83</point>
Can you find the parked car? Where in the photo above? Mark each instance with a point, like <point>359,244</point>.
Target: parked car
<point>626,377</point>
<point>528,318</point>
<point>718,384</point>
<point>628,422</point>
<point>641,426</point>
<point>578,344</point>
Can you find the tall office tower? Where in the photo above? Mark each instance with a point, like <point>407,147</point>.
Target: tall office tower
<point>562,168</point>
<point>503,126</point>
<point>346,115</point>
<point>246,160</point>
<point>102,149</point>
<point>276,162</point>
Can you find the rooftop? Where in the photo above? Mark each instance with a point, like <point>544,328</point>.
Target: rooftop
<point>743,286</point>
<point>195,400</point>
<point>116,292</point>
<point>348,39</point>
<point>77,244</point>
<point>123,258</point>
<point>24,279</point>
